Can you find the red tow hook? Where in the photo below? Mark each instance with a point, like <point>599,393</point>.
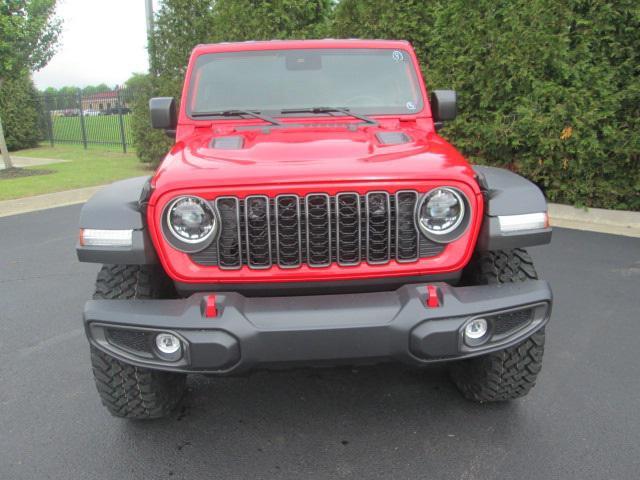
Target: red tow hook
<point>433,296</point>
<point>210,307</point>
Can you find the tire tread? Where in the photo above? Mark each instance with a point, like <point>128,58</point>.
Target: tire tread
<point>510,373</point>
<point>126,390</point>
<point>133,392</point>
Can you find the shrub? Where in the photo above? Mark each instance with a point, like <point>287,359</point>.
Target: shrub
<point>151,145</point>
<point>548,89</point>
<point>239,20</point>
<point>19,112</point>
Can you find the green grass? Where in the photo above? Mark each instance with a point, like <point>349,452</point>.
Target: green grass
<point>95,166</point>
<point>99,129</point>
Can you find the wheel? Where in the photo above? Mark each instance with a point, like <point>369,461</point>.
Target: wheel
<point>510,373</point>
<point>126,390</point>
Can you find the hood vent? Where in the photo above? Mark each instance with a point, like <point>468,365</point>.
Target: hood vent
<point>235,142</point>
<point>392,138</point>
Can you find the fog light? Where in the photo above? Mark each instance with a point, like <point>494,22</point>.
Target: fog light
<point>169,346</point>
<point>475,330</point>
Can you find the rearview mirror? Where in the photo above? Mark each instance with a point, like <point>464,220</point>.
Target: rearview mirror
<point>163,113</point>
<point>443,106</point>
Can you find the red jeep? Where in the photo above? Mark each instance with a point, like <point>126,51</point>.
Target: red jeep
<point>309,214</point>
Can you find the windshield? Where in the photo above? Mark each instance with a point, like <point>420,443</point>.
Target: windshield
<point>367,81</point>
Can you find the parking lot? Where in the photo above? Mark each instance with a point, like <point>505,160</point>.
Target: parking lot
<point>582,420</point>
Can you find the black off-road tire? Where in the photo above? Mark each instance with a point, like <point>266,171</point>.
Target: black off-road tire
<point>500,266</point>
<point>126,390</point>
<point>133,392</point>
<point>131,282</point>
<point>510,373</point>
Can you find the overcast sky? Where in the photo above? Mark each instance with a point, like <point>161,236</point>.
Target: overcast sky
<point>103,41</point>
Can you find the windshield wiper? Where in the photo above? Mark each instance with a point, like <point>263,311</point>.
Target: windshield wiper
<point>237,113</point>
<point>344,111</point>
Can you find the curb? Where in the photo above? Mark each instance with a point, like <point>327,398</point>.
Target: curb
<point>615,222</point>
<point>46,201</point>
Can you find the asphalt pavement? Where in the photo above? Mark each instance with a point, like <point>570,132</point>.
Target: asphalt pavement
<point>582,421</point>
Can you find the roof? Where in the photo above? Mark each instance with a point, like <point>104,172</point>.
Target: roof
<point>100,96</point>
<point>299,44</point>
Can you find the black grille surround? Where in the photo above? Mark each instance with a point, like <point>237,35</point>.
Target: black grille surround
<point>317,230</point>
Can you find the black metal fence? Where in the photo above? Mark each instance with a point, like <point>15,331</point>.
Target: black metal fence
<point>88,119</point>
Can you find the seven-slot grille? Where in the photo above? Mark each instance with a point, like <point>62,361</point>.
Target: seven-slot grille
<point>317,230</point>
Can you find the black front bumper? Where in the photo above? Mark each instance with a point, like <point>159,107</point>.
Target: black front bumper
<point>316,330</point>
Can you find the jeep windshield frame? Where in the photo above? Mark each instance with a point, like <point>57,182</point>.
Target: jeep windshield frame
<point>293,82</point>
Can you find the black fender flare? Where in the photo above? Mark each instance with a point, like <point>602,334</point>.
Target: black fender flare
<point>507,193</point>
<point>119,206</point>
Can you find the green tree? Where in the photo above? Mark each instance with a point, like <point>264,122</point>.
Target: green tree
<point>50,97</point>
<point>179,26</point>
<point>19,105</point>
<point>239,20</point>
<point>151,145</point>
<point>67,97</point>
<point>93,89</point>
<point>28,34</point>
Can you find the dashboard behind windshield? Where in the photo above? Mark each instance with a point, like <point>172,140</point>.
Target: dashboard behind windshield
<point>367,81</point>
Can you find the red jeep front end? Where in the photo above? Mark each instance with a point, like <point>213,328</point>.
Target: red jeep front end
<point>317,158</point>
<point>309,213</point>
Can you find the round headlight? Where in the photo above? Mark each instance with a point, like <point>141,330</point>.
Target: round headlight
<point>191,220</point>
<point>441,212</point>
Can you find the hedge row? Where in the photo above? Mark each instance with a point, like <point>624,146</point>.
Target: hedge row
<point>548,89</point>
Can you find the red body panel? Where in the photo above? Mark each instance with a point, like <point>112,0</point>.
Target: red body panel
<point>326,157</point>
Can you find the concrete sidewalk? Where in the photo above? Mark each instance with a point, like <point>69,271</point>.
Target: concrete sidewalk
<point>22,162</point>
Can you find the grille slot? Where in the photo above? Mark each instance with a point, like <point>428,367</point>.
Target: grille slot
<point>407,238</point>
<point>348,229</point>
<point>258,228</point>
<point>288,231</point>
<point>229,246</point>
<point>317,230</point>
<point>378,216</point>
<point>318,213</point>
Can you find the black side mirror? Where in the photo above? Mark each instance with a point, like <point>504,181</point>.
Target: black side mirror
<point>164,114</point>
<point>443,106</point>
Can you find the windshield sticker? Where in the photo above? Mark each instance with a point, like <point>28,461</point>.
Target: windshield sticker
<point>411,106</point>
<point>397,56</point>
